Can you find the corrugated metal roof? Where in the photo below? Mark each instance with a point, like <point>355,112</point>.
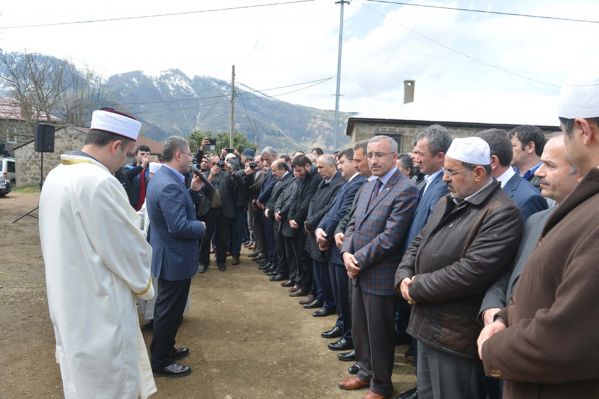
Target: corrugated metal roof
<point>10,110</point>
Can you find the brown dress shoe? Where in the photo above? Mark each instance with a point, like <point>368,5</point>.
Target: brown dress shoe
<point>353,383</point>
<point>308,299</point>
<point>294,288</point>
<point>235,260</point>
<point>374,395</point>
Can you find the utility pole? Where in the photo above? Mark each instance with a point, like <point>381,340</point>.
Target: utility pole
<point>337,94</point>
<point>232,107</point>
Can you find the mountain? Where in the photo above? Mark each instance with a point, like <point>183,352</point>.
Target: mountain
<point>175,104</point>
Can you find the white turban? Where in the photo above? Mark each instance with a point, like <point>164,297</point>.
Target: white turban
<point>473,150</point>
<point>154,166</point>
<point>579,97</point>
<point>116,123</point>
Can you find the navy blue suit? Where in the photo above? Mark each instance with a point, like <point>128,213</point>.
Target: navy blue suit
<point>525,195</point>
<point>269,235</point>
<point>174,237</point>
<point>339,280</point>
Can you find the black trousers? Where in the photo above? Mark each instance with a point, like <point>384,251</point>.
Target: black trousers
<point>304,263</point>
<point>340,286</point>
<point>216,222</point>
<point>292,257</point>
<point>168,313</point>
<point>373,336</point>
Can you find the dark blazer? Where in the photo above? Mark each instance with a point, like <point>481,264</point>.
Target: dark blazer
<point>266,188</point>
<point>175,232</point>
<point>256,184</point>
<point>284,203</point>
<point>500,292</point>
<point>223,182</point>
<point>278,189</point>
<point>526,197</point>
<point>341,205</point>
<point>426,204</point>
<point>375,233</point>
<point>319,205</point>
<point>305,191</point>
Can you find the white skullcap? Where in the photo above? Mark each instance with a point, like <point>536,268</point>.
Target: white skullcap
<point>116,123</point>
<point>473,150</point>
<point>579,97</point>
<point>154,166</point>
<point>229,156</point>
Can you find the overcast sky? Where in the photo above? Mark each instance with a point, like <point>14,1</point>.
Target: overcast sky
<point>448,53</point>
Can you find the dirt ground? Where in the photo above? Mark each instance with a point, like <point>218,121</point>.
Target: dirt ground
<point>248,339</point>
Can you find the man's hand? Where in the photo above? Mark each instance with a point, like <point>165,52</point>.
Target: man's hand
<point>215,170</point>
<point>266,212</point>
<point>404,288</point>
<point>205,142</point>
<point>278,217</point>
<point>351,265</point>
<point>196,183</point>
<point>145,160</point>
<point>339,240</point>
<point>488,332</point>
<point>488,315</point>
<point>321,237</point>
<point>293,224</point>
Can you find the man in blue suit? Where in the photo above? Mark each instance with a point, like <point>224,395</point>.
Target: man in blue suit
<point>325,238</point>
<point>526,197</point>
<point>429,155</point>
<point>174,238</point>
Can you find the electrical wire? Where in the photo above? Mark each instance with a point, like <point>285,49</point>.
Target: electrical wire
<point>172,14</point>
<point>510,14</point>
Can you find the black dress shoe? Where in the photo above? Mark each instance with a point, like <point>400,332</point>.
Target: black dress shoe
<point>202,268</point>
<point>334,332</point>
<point>272,272</point>
<point>342,345</point>
<point>353,369</point>
<point>178,354</point>
<point>278,277</point>
<point>409,394</point>
<point>347,356</point>
<point>313,305</point>
<point>322,312</point>
<point>148,326</point>
<point>222,268</point>
<point>173,370</point>
<point>288,284</point>
<point>298,293</point>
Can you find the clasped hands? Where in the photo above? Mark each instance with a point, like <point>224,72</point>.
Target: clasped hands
<point>351,265</point>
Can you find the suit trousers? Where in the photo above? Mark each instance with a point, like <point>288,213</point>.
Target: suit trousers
<point>168,314</point>
<point>340,286</point>
<point>258,231</point>
<point>292,257</point>
<point>304,263</point>
<point>445,376</point>
<point>372,330</point>
<point>322,284</point>
<point>219,226</point>
<point>269,240</point>
<point>237,230</point>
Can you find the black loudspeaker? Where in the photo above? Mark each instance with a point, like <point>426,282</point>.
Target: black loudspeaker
<point>44,138</point>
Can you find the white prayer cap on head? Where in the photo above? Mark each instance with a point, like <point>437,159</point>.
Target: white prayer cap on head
<point>113,122</point>
<point>473,150</point>
<point>579,97</point>
<point>154,166</point>
<point>229,156</point>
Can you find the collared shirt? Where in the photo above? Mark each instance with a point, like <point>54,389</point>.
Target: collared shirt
<point>80,153</point>
<point>429,179</point>
<point>384,179</point>
<point>352,178</point>
<point>530,173</point>
<point>282,177</point>
<point>506,176</point>
<point>179,174</point>
<point>491,180</point>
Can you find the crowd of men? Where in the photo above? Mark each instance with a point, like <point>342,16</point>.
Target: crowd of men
<point>477,251</point>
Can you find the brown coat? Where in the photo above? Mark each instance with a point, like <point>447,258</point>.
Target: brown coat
<point>551,346</point>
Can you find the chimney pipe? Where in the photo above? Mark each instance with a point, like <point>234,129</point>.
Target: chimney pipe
<point>408,91</point>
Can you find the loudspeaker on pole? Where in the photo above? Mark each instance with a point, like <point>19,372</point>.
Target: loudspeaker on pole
<point>44,138</point>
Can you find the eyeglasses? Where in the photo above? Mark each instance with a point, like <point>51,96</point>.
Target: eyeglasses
<point>377,155</point>
<point>452,173</point>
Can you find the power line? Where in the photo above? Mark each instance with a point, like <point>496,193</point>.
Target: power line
<point>172,14</point>
<point>510,14</point>
<point>463,54</point>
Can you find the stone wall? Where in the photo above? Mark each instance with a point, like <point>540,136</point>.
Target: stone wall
<point>14,133</point>
<point>28,160</point>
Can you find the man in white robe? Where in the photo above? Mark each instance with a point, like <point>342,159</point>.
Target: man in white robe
<point>97,261</point>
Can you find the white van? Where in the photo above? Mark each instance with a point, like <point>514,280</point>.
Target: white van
<point>7,170</point>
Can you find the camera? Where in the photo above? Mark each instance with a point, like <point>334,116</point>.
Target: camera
<point>253,165</point>
<point>221,164</point>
